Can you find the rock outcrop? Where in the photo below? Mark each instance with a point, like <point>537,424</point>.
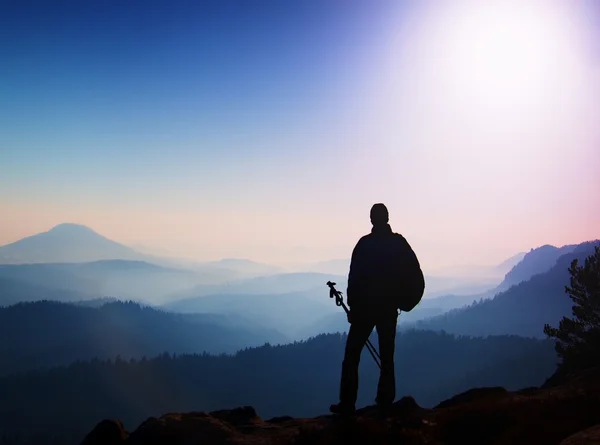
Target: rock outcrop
<point>589,436</point>
<point>566,413</point>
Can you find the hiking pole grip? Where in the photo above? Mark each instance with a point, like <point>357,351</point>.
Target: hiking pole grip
<point>333,292</point>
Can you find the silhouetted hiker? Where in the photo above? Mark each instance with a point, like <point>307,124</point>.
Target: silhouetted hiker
<point>382,265</point>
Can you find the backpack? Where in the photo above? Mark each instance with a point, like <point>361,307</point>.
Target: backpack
<point>413,280</point>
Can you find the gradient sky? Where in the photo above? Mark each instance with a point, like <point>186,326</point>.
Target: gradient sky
<point>267,129</point>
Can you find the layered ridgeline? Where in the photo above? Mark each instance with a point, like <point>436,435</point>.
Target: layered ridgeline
<point>297,379</point>
<point>76,259</point>
<point>522,309</point>
<point>531,294</point>
<point>66,282</point>
<point>45,334</point>
<point>71,262</point>
<point>536,261</point>
<point>288,306</point>
<point>75,243</point>
<point>518,269</point>
<point>272,300</point>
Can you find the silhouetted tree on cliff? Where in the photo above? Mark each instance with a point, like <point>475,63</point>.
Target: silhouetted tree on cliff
<point>578,338</point>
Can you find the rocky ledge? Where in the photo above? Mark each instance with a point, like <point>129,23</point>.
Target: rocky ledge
<point>564,413</point>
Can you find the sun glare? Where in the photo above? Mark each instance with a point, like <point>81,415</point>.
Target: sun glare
<point>492,54</point>
<point>507,54</point>
<point>479,71</point>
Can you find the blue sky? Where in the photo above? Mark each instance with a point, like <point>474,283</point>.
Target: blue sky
<point>252,129</point>
<point>95,90</point>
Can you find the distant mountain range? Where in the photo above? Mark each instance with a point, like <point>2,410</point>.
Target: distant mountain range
<point>297,303</point>
<point>112,278</point>
<point>522,309</point>
<point>302,314</point>
<point>480,271</point>
<point>243,266</point>
<point>518,309</point>
<point>66,243</point>
<point>71,262</point>
<point>536,261</point>
<point>289,312</point>
<point>74,243</point>
<point>270,284</point>
<point>137,280</point>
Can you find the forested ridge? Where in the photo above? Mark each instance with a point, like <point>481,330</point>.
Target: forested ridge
<point>296,379</point>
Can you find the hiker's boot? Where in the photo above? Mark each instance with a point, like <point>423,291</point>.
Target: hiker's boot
<point>343,409</point>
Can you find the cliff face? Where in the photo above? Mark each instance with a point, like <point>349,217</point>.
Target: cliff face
<point>566,413</point>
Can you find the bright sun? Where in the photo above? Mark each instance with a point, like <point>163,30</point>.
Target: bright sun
<point>486,87</point>
<point>502,53</point>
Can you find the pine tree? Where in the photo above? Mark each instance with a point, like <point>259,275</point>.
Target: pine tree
<point>578,338</point>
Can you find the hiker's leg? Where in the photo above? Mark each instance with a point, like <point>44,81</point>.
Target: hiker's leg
<point>357,336</point>
<point>386,331</point>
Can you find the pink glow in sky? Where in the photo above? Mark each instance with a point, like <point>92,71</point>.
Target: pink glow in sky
<point>477,123</point>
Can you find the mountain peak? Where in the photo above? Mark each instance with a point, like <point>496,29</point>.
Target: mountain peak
<point>536,261</point>
<point>66,242</point>
<point>71,228</point>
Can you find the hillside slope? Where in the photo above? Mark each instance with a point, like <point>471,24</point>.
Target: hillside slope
<point>13,291</point>
<point>45,334</point>
<point>523,309</point>
<point>536,261</point>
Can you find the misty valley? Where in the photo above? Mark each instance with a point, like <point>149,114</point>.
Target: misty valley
<point>114,333</point>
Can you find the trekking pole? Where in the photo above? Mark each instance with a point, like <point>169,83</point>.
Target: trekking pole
<point>339,301</point>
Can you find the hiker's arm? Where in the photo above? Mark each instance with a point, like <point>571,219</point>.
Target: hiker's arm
<point>355,274</point>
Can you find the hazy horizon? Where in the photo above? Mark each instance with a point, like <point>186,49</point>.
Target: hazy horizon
<point>298,265</point>
<point>267,133</point>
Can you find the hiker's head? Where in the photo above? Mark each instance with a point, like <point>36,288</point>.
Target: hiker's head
<point>379,214</point>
